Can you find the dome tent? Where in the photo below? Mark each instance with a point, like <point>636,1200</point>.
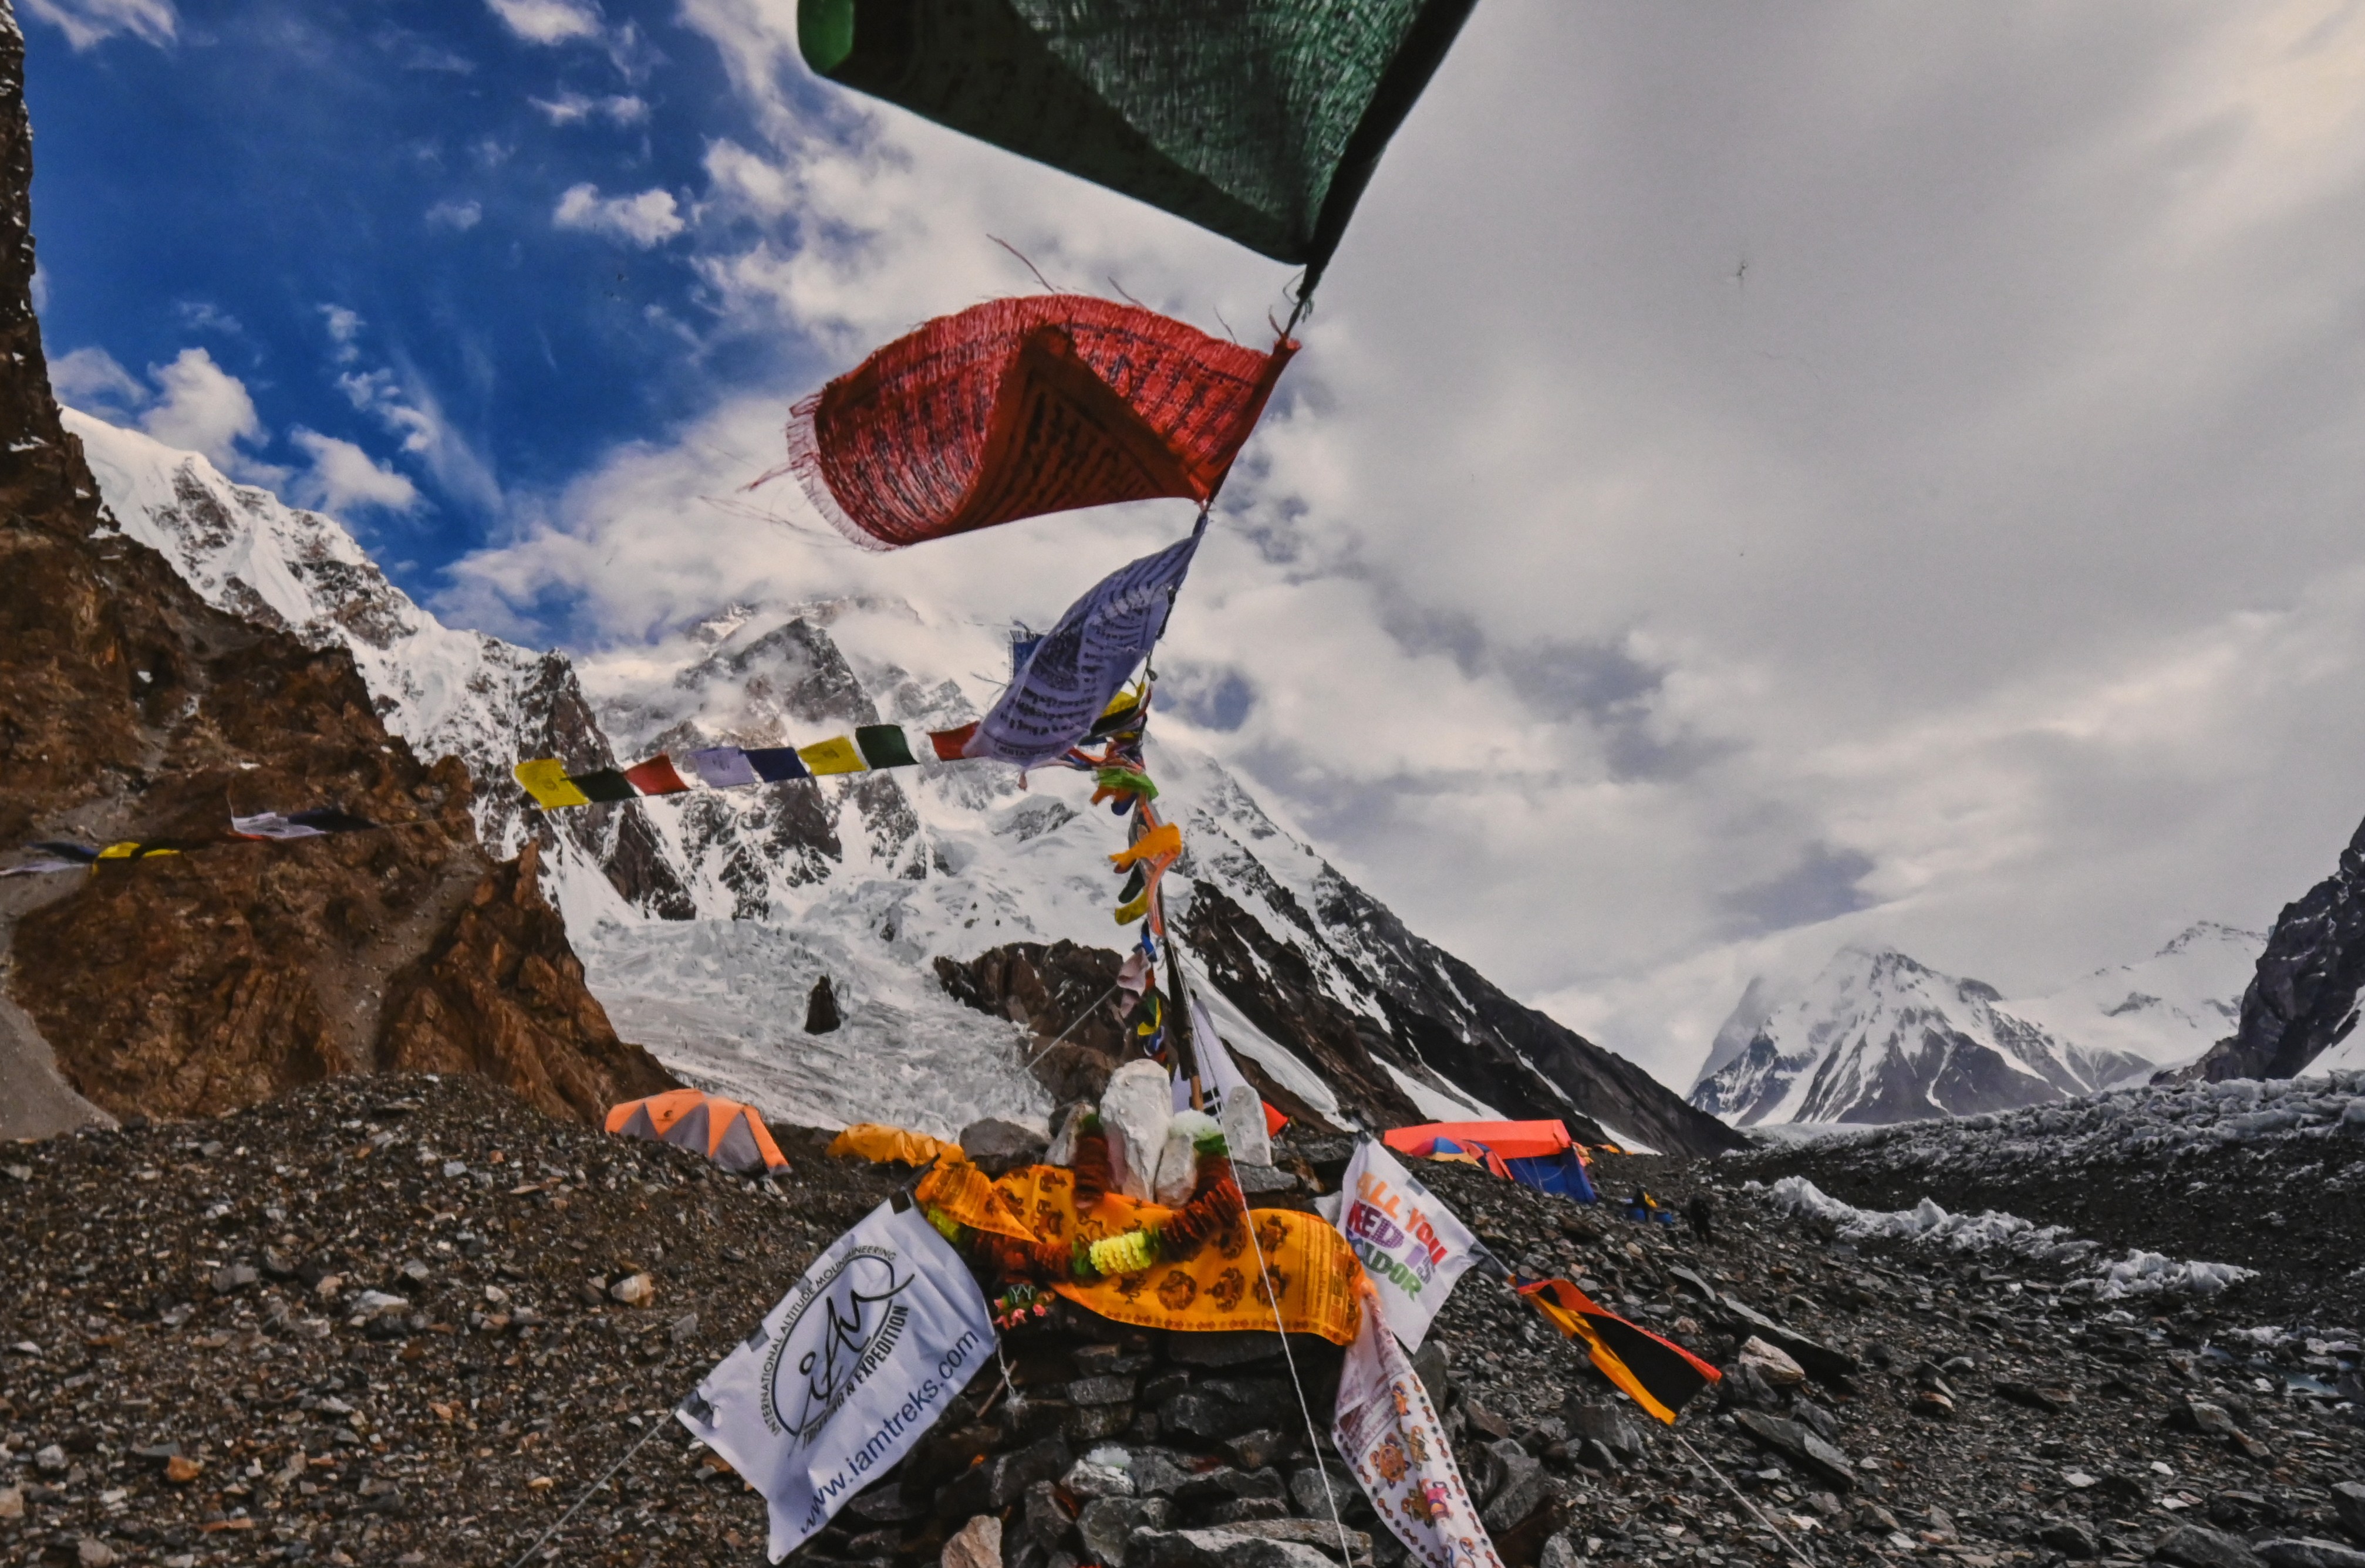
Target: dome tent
<point>728,1133</point>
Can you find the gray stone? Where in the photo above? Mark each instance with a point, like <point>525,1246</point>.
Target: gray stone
<point>1155,1473</point>
<point>1086,1479</point>
<point>49,1459</point>
<point>1265,1181</point>
<point>1319,1534</point>
<point>2198,1546</point>
<point>2209,1419</point>
<point>2069,1537</point>
<point>997,1147</point>
<point>1178,1165</point>
<point>1434,1367</point>
<point>2310,1551</point>
<point>1559,1553</point>
<point>1000,1480</point>
<point>1230,1348</point>
<point>1307,1491</point>
<point>1237,1510</point>
<point>977,1544</point>
<point>1044,1520</point>
<point>1518,1486</point>
<point>235,1278</point>
<point>1101,1391</point>
<point>1109,1523</point>
<point>1223,1481</point>
<point>2348,1502</point>
<point>1205,1416</point>
<point>1800,1446</point>
<point>1603,1423</point>
<point>1218,1549</point>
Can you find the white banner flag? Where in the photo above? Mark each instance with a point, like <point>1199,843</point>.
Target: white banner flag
<point>1390,1436</point>
<point>846,1372</point>
<point>1412,1247</point>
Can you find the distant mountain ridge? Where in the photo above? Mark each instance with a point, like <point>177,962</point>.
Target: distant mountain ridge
<point>1878,1037</point>
<point>702,917</point>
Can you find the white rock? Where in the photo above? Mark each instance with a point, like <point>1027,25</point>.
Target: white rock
<point>1244,1131</point>
<point>1086,1479</point>
<point>1135,1109</point>
<point>372,1303</point>
<point>1178,1168</point>
<point>635,1290</point>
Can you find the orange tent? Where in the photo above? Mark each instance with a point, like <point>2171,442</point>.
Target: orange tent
<point>1512,1140</point>
<point>728,1133</point>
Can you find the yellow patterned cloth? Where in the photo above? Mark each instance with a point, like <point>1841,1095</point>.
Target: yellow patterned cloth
<point>1307,1264</point>
<point>545,780</point>
<point>966,1194</point>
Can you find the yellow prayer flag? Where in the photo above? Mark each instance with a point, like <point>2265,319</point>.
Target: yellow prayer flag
<point>545,780</point>
<point>839,754</point>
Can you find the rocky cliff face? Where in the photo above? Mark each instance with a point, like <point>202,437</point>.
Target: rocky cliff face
<point>130,708</point>
<point>2303,1000</point>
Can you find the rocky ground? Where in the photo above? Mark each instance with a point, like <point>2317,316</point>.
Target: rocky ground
<point>409,1320</point>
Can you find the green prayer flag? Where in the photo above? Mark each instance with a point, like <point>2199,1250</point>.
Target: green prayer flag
<point>1261,119</point>
<point>607,784</point>
<point>883,745</point>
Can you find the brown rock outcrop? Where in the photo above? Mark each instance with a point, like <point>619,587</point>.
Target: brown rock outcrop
<point>131,709</point>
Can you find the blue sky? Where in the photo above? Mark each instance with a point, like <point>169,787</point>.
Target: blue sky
<point>362,212</point>
<point>1758,479</point>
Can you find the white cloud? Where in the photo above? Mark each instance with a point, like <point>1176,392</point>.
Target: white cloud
<point>343,477</point>
<point>89,378</point>
<point>574,108</point>
<point>643,221</point>
<point>458,216</point>
<point>1914,502</point>
<point>402,402</point>
<point>344,326</point>
<point>549,21</point>
<point>88,23</point>
<point>202,408</point>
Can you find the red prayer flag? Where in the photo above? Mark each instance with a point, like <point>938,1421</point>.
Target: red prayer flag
<point>951,745</point>
<point>1018,407</point>
<point>657,777</point>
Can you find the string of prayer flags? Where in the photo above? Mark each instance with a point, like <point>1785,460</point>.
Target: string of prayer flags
<point>1262,122</point>
<point>869,747</point>
<point>1082,662</point>
<point>1389,1435</point>
<point>298,824</point>
<point>1019,408</point>
<point>1658,1375</point>
<point>55,855</point>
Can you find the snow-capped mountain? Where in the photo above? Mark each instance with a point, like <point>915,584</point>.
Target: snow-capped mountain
<point>2169,1009</point>
<point>1877,1037</point>
<point>704,919</point>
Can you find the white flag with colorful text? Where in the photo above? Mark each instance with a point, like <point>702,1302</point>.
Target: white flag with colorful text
<point>1412,1247</point>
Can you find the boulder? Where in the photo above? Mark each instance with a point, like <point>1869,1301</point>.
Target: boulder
<point>1772,1363</point>
<point>2307,1551</point>
<point>1517,1486</point>
<point>1107,1524</point>
<point>1135,1110</point>
<point>1178,1166</point>
<point>2198,1546</point>
<point>2348,1502</point>
<point>1217,1548</point>
<point>1820,1361</point>
<point>1800,1446</point>
<point>997,1147</point>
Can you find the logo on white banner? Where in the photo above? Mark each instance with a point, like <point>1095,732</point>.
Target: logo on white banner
<point>846,1373</point>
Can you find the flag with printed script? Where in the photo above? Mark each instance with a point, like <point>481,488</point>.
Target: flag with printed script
<point>1412,1247</point>
<point>1389,1435</point>
<point>1080,663</point>
<point>846,1372</point>
<point>298,824</point>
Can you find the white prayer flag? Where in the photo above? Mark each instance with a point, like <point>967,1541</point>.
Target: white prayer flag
<point>846,1373</point>
<point>1390,1436</point>
<point>1412,1247</point>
